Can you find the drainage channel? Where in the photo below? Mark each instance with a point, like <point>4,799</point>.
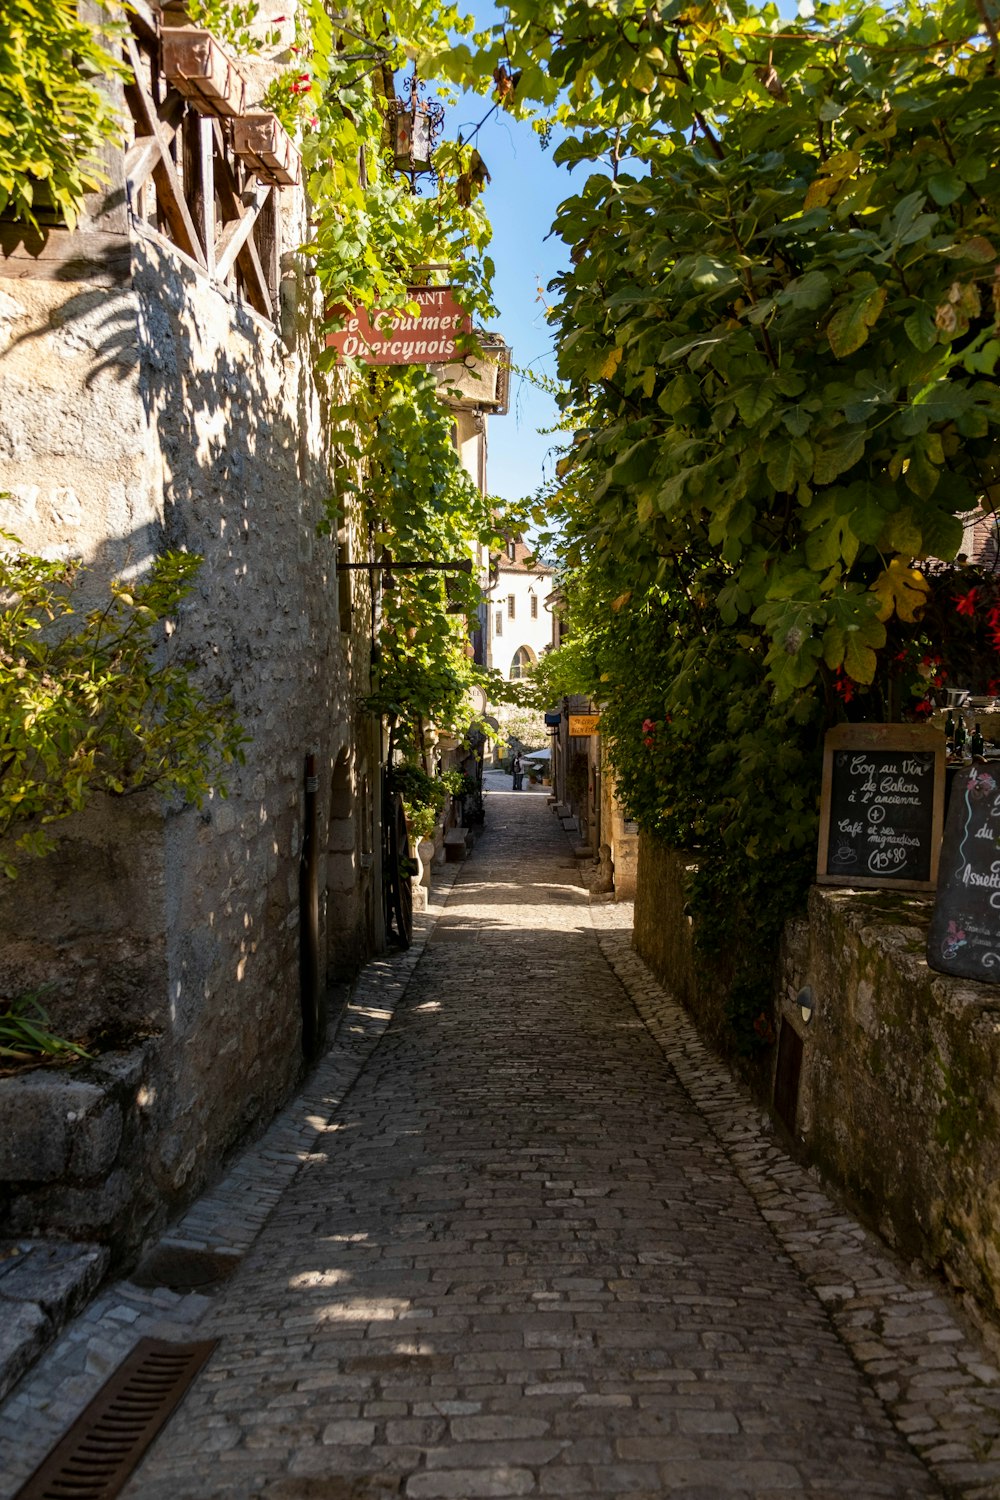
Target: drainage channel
<point>103,1447</point>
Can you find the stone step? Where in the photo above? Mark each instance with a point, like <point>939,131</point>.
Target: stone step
<point>42,1284</point>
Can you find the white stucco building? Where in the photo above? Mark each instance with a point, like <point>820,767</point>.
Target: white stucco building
<point>520,625</point>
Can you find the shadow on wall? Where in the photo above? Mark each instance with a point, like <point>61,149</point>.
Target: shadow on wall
<point>180,920</point>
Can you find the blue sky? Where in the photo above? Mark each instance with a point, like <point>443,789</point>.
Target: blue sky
<point>521,200</point>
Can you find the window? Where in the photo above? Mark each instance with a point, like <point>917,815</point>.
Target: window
<point>522,664</point>
<point>499,624</point>
<point>534,606</point>
<point>510,606</point>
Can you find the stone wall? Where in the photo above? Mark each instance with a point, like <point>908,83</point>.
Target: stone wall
<point>897,1101</point>
<point>621,835</point>
<point>69,1142</point>
<point>664,936</point>
<point>158,411</point>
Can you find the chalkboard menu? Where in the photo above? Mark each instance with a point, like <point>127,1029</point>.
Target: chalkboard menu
<point>882,807</point>
<point>965,927</point>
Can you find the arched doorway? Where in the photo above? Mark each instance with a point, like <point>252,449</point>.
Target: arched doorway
<point>524,660</point>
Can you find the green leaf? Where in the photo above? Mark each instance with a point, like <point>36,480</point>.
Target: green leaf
<point>901,533</point>
<point>810,291</point>
<point>753,403</point>
<point>797,420</point>
<point>921,331</point>
<point>945,187</point>
<point>838,455</point>
<point>941,534</point>
<point>791,463</point>
<point>860,660</point>
<point>855,316</point>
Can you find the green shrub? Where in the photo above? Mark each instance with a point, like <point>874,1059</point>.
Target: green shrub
<point>91,706</point>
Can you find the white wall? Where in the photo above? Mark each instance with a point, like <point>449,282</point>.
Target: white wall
<point>523,629</point>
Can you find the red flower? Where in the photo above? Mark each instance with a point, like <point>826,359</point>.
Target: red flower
<point>923,708</point>
<point>648,741</point>
<point>844,686</point>
<point>648,725</point>
<point>965,604</point>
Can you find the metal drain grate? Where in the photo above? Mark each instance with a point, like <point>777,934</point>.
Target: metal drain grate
<point>102,1448</point>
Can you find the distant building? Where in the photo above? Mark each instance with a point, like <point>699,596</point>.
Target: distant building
<point>520,624</point>
<point>981,537</point>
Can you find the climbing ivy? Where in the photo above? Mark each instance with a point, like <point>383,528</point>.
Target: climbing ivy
<point>89,705</point>
<point>54,117</point>
<point>398,470</point>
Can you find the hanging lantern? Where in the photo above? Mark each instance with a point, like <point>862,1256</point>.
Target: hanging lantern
<point>413,130</point>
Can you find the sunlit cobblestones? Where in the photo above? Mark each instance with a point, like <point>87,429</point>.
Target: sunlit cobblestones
<point>544,1246</point>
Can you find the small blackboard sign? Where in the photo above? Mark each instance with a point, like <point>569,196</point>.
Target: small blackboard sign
<point>882,806</point>
<point>965,927</point>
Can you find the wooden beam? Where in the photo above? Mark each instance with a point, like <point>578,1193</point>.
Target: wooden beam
<point>142,156</point>
<point>236,246</point>
<point>145,20</point>
<point>199,174</point>
<point>59,254</point>
<point>267,237</point>
<point>238,231</point>
<point>170,194</point>
<point>257,289</point>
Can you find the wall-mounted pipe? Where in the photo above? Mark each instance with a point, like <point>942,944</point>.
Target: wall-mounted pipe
<point>310,995</point>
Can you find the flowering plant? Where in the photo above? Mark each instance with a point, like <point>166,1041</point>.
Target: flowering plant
<point>953,641</point>
<point>958,643</point>
<point>292,97</point>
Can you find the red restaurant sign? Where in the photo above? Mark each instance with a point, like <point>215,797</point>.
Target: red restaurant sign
<point>396,338</point>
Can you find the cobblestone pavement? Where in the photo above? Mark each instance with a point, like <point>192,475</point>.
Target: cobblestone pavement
<point>544,1246</point>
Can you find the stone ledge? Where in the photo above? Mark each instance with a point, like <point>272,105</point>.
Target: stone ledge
<point>42,1284</point>
<point>897,1101</point>
<point>72,1158</point>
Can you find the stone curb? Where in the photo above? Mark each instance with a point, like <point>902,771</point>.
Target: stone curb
<point>75,1358</point>
<point>926,1364</point>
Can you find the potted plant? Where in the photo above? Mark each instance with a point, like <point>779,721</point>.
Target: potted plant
<point>200,68</point>
<point>265,147</point>
<point>423,799</point>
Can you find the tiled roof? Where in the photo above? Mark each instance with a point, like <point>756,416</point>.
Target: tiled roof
<point>521,562</point>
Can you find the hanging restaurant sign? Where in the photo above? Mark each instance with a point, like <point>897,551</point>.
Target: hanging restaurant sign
<point>398,338</point>
<point>582,725</point>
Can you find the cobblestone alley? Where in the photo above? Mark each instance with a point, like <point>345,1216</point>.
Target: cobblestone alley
<point>541,1246</point>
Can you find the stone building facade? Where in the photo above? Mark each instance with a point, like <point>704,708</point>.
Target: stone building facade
<point>152,397</point>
